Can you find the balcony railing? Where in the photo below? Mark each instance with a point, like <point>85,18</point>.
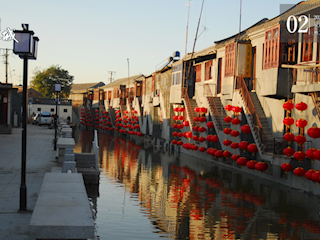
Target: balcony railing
<point>305,74</point>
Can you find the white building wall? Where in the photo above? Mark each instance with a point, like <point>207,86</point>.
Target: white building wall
<point>64,111</point>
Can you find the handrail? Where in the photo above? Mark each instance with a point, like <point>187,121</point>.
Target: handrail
<point>315,97</point>
<point>208,93</point>
<point>250,108</point>
<point>189,109</point>
<point>309,74</point>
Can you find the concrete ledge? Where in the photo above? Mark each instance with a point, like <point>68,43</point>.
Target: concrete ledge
<point>62,210</point>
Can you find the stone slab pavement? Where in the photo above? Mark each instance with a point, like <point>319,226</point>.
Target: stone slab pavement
<point>40,159</point>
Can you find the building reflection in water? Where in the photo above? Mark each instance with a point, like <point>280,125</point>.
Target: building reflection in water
<point>187,198</point>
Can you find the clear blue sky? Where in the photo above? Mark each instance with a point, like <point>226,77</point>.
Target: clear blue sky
<point>91,38</point>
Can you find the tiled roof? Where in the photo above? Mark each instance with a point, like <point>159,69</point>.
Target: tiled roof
<point>124,81</point>
<point>79,87</point>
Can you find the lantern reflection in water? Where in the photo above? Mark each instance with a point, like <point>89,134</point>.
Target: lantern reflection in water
<point>147,194</point>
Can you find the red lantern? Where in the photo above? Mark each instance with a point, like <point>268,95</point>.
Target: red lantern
<point>189,135</point>
<point>186,146</point>
<point>300,139</point>
<point>213,151</point>
<point>218,154</point>
<point>235,133</point>
<point>299,171</point>
<point>234,145</point>
<point>251,164</point>
<point>186,123</point>
<point>209,150</point>
<point>236,109</point>
<point>309,153</point>
<point>287,167</point>
<point>180,126</point>
<point>181,109</point>
<point>314,132</point>
<point>288,121</point>
<point>214,138</point>
<point>174,134</point>
<point>201,139</point>
<point>243,145</point>
<point>202,149</point>
<point>202,129</point>
<point>234,157</point>
<point>288,151</point>
<point>176,110</point>
<point>197,109</point>
<point>202,119</point>
<point>245,129</point>
<point>196,128</point>
<point>301,106</point>
<point>203,110</point>
<point>299,155</point>
<point>194,147</point>
<point>242,161</point>
<point>308,174</point>
<point>181,118</point>
<point>288,137</point>
<point>179,134</point>
<point>288,105</point>
<point>209,137</point>
<point>227,131</point>
<point>229,107</point>
<point>227,142</point>
<point>180,143</point>
<point>236,121</point>
<point>175,118</point>
<point>301,123</point>
<point>196,119</point>
<point>210,125</point>
<point>261,166</point>
<point>226,154</point>
<point>195,138</point>
<point>315,176</point>
<point>252,148</point>
<point>316,154</point>
<point>227,119</point>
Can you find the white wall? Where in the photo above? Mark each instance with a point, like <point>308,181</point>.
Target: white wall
<point>33,108</point>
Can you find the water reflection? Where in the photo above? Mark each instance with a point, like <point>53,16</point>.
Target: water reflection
<point>146,194</point>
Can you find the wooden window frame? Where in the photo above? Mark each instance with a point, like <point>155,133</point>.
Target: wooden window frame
<point>230,59</point>
<point>307,46</point>
<point>271,52</point>
<point>208,72</point>
<point>197,72</point>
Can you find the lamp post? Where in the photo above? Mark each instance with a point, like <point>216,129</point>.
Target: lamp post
<point>26,46</point>
<point>57,89</point>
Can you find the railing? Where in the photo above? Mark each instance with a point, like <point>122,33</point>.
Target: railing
<point>315,99</point>
<point>188,105</point>
<point>250,108</point>
<point>307,74</point>
<point>95,149</point>
<point>208,93</point>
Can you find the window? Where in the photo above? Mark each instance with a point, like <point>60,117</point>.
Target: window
<point>39,109</point>
<point>52,110</point>
<point>271,48</point>
<point>307,46</point>
<point>65,110</point>
<point>230,59</point>
<point>176,74</point>
<point>208,67</point>
<point>197,72</point>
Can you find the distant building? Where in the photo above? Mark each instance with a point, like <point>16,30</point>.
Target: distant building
<point>79,92</point>
<point>5,107</point>
<point>31,93</point>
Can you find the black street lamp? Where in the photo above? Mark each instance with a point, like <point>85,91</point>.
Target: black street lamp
<point>57,89</point>
<point>26,46</point>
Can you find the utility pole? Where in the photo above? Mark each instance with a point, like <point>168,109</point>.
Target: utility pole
<point>6,63</point>
<point>112,73</point>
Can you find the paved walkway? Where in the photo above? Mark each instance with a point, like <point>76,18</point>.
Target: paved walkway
<point>40,159</point>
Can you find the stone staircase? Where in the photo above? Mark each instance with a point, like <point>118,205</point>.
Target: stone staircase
<point>193,104</point>
<point>219,113</point>
<point>268,135</point>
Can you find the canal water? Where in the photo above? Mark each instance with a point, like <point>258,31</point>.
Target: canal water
<point>150,194</point>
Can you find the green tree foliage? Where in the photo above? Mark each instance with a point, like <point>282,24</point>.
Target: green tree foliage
<point>44,81</point>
